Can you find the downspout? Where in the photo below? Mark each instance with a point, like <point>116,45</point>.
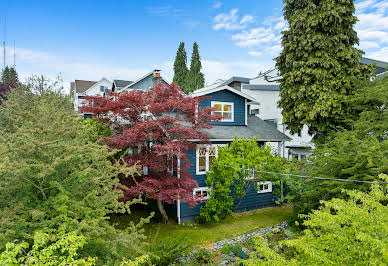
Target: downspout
<point>178,209</point>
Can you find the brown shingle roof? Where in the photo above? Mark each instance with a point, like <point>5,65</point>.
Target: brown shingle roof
<point>82,85</point>
<point>72,86</point>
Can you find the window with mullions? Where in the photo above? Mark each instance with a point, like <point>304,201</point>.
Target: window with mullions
<point>264,187</point>
<point>225,110</point>
<point>205,156</point>
<point>201,193</point>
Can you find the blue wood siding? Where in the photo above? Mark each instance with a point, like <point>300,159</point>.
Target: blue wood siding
<point>227,96</point>
<point>143,84</point>
<point>251,201</point>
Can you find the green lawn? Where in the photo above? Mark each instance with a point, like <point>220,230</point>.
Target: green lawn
<point>231,226</point>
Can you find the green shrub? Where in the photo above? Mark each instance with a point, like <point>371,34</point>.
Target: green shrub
<point>225,249</point>
<point>236,250</point>
<point>165,252</point>
<point>275,230</point>
<point>203,255</point>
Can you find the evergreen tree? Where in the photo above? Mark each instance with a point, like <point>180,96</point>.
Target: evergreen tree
<point>319,64</point>
<point>10,76</point>
<point>360,152</point>
<point>195,79</point>
<point>180,66</point>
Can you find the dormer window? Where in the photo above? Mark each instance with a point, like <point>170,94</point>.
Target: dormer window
<point>225,110</point>
<point>103,88</point>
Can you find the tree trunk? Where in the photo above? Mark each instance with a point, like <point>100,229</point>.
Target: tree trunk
<point>162,211</point>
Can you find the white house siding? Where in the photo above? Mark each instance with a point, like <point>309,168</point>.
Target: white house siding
<point>92,91</point>
<point>268,110</point>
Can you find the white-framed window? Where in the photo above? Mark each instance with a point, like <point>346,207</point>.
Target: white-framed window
<point>225,110</point>
<point>264,187</point>
<point>204,156</point>
<point>201,193</point>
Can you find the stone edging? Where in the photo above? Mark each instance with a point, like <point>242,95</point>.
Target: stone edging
<point>236,240</point>
<point>241,238</point>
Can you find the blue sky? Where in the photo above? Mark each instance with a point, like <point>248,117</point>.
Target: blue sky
<point>126,39</point>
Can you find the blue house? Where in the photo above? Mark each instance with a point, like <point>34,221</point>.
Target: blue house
<point>235,108</point>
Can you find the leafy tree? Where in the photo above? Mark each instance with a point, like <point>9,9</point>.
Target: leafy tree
<point>53,176</point>
<point>340,232</point>
<point>319,64</point>
<point>229,184</point>
<point>180,66</point>
<point>154,129</point>
<point>47,250</point>
<point>10,76</point>
<point>360,152</point>
<point>195,79</point>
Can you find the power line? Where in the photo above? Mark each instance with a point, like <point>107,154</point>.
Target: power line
<point>304,176</point>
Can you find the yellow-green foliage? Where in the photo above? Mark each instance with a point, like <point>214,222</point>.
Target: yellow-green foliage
<point>54,177</point>
<point>229,183</point>
<point>47,250</point>
<point>340,232</point>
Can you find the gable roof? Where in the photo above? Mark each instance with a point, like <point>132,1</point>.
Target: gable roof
<point>103,79</point>
<point>256,127</point>
<point>140,79</point>
<point>238,79</point>
<point>121,83</point>
<point>83,85</point>
<point>206,90</point>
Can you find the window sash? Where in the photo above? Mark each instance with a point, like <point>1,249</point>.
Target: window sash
<point>225,110</point>
<point>201,192</point>
<point>205,154</point>
<point>264,187</point>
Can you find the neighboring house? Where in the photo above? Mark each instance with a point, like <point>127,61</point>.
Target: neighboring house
<point>234,106</point>
<point>380,66</point>
<point>81,88</point>
<point>144,83</point>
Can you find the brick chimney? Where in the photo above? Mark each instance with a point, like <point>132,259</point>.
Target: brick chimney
<point>156,78</point>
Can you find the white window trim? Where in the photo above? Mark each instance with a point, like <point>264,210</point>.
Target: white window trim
<point>207,189</point>
<point>222,109</point>
<point>207,157</point>
<point>266,190</point>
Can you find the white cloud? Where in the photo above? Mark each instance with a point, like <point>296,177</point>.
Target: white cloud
<point>214,70</point>
<point>51,65</point>
<point>372,28</point>
<point>364,4</point>
<point>254,37</point>
<point>255,53</point>
<point>247,19</point>
<point>230,21</point>
<point>368,45</point>
<point>274,50</point>
<point>381,54</point>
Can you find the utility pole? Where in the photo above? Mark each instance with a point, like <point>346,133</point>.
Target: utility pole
<point>4,43</point>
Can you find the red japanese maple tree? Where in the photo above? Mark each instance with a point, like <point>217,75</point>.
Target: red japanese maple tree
<point>155,128</point>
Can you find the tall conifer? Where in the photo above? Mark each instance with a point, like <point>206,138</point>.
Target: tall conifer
<point>180,66</point>
<point>195,78</point>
